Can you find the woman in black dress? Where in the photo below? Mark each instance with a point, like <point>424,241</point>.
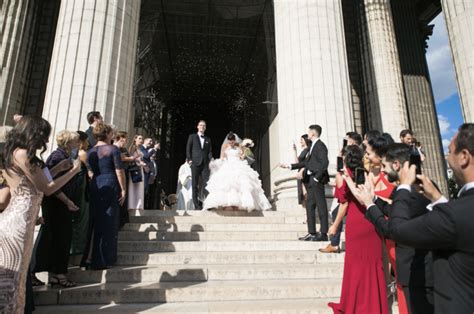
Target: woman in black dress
<point>54,241</point>
<point>107,193</point>
<point>305,146</point>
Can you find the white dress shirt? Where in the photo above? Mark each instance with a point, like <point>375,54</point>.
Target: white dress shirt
<point>201,139</point>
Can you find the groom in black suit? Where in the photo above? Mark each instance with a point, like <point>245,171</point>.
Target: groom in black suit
<point>198,155</point>
<point>316,176</point>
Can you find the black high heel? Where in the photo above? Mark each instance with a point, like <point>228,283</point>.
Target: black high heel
<point>61,282</point>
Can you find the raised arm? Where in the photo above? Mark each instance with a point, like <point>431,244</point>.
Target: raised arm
<point>433,230</point>
<point>37,176</point>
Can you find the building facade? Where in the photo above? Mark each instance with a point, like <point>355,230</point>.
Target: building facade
<point>266,69</point>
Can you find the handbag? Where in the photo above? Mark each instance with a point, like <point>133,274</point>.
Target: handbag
<point>135,173</point>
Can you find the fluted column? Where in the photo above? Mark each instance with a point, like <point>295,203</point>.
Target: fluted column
<point>93,63</point>
<point>384,95</point>
<point>459,16</point>
<point>313,81</point>
<point>16,19</point>
<point>411,36</point>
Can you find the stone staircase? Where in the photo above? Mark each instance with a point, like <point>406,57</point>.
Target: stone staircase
<point>203,262</point>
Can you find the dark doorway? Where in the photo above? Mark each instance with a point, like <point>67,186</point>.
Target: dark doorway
<point>210,60</point>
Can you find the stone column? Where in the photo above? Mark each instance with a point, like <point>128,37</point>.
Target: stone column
<point>384,96</point>
<point>16,23</point>
<point>411,36</point>
<point>313,81</point>
<point>93,63</point>
<point>459,16</point>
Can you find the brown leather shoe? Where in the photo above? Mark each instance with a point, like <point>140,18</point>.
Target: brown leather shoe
<point>330,249</point>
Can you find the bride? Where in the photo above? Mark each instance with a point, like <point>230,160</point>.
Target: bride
<point>233,184</point>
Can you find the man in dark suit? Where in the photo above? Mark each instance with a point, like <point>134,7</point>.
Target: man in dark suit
<point>93,118</point>
<point>316,173</point>
<point>446,229</point>
<point>413,266</point>
<point>148,152</point>
<point>198,155</point>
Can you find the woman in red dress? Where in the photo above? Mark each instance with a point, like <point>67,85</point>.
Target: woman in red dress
<point>383,189</point>
<point>363,283</point>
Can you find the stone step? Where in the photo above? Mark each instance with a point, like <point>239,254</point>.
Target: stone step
<point>282,306</point>
<point>200,227</point>
<point>189,291</point>
<point>217,219</point>
<point>210,235</point>
<point>218,246</point>
<point>172,273</point>
<point>238,213</point>
<point>227,258</point>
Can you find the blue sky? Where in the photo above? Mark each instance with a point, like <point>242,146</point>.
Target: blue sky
<point>442,75</point>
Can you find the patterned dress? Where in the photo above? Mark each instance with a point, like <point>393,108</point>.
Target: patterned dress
<point>17,224</point>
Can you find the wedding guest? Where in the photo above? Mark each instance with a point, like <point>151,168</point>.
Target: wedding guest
<point>302,181</point>
<point>407,137</point>
<point>54,244</point>
<point>80,220</point>
<point>315,167</point>
<point>136,188</point>
<point>352,138</point>
<point>28,182</point>
<point>93,118</point>
<point>413,266</point>
<point>107,193</point>
<point>445,229</point>
<point>363,284</point>
<point>148,153</point>
<point>120,141</point>
<point>4,189</point>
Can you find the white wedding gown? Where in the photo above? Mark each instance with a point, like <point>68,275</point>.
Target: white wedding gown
<point>234,183</point>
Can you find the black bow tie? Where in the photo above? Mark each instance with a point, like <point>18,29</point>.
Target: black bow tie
<point>201,136</point>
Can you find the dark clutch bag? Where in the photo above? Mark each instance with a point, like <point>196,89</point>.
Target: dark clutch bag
<point>135,173</point>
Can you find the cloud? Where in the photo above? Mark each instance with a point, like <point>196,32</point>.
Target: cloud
<point>440,62</point>
<point>445,145</point>
<point>444,124</point>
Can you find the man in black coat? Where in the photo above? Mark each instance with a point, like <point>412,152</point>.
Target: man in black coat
<point>93,118</point>
<point>316,174</point>
<point>198,155</point>
<point>447,229</point>
<point>413,266</point>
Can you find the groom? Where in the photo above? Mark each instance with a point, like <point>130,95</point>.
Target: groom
<point>198,155</point>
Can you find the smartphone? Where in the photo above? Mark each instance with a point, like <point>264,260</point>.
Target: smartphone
<point>360,176</point>
<point>415,159</point>
<point>340,163</point>
<point>344,142</point>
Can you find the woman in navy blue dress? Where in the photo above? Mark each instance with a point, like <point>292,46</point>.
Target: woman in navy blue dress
<point>107,192</point>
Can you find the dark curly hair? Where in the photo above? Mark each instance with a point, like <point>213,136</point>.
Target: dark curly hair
<point>353,157</point>
<point>31,133</point>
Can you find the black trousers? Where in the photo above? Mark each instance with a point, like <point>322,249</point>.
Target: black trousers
<point>316,199</point>
<point>419,299</point>
<point>52,253</point>
<point>200,174</point>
